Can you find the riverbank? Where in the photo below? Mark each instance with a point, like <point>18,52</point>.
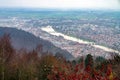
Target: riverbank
<point>51,31</point>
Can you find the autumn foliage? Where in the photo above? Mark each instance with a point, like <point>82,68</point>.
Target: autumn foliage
<point>24,65</point>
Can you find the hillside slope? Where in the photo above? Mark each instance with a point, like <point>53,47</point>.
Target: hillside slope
<point>21,39</point>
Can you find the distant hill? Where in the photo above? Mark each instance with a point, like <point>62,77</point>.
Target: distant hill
<point>21,39</point>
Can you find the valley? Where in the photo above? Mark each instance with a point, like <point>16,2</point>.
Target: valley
<point>85,33</point>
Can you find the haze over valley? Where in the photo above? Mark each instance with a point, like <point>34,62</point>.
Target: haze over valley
<point>98,30</point>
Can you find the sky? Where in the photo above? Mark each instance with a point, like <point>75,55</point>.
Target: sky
<point>62,4</point>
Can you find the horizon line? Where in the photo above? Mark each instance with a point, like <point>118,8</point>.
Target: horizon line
<point>61,9</point>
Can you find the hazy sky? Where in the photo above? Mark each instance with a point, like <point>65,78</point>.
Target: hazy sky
<point>63,4</point>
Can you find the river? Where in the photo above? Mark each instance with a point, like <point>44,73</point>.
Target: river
<point>51,31</point>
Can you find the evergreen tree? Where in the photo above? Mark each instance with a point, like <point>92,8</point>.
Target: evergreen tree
<point>89,60</point>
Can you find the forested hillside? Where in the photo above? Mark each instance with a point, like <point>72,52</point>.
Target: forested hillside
<point>24,65</point>
<point>24,40</point>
